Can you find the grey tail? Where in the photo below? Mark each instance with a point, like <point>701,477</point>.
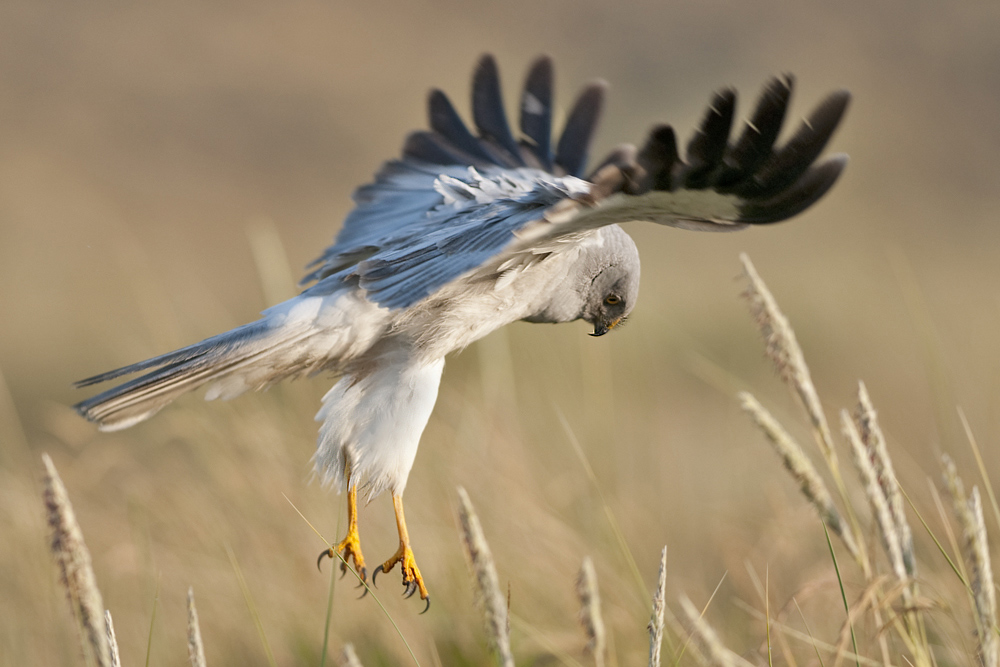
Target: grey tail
<point>251,356</point>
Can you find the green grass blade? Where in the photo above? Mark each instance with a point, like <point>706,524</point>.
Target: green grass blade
<point>843,594</point>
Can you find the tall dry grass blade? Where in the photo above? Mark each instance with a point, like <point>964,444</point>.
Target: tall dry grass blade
<point>75,570</point>
<point>349,658</point>
<point>277,280</point>
<point>116,660</point>
<point>590,611</point>
<point>981,465</point>
<point>656,621</point>
<point>982,583</point>
<point>783,349</point>
<point>486,581</point>
<point>871,435</point>
<point>251,606</point>
<point>802,469</point>
<point>705,637</point>
<point>876,497</point>
<point>608,512</point>
<point>196,649</point>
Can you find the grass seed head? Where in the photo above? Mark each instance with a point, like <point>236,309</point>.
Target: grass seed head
<point>196,649</point>
<point>656,621</point>
<point>348,657</point>
<point>978,549</point>
<point>485,578</point>
<point>590,611</point>
<point>75,570</point>
<point>801,468</point>
<point>783,348</point>
<point>876,497</point>
<point>871,435</point>
<point>116,660</point>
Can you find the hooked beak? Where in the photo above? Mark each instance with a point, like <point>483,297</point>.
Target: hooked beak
<point>601,328</point>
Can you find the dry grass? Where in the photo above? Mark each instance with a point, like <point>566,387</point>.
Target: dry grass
<point>886,619</point>
<point>894,603</point>
<point>147,150</point>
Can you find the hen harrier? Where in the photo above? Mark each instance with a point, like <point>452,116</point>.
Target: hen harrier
<point>465,233</point>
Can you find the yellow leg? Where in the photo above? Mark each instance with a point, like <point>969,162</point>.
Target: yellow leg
<point>350,546</point>
<point>404,555</point>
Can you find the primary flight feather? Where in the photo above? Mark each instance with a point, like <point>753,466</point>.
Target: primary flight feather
<point>469,231</point>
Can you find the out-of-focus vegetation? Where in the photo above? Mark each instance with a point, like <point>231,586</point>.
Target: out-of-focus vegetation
<point>146,151</point>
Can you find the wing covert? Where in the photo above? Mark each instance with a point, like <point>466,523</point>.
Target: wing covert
<point>458,198</point>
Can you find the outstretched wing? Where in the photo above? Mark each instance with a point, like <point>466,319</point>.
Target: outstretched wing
<point>455,201</point>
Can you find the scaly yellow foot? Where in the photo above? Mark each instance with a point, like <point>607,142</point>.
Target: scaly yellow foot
<point>350,546</point>
<point>412,581</point>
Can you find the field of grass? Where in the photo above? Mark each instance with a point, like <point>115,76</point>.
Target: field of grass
<point>162,168</point>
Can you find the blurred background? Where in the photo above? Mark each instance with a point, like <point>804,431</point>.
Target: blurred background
<point>167,169</point>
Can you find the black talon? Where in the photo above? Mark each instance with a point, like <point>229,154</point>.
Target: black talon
<point>427,607</point>
<point>343,568</point>
<point>375,574</point>
<point>411,588</point>
<point>363,593</point>
<point>319,561</point>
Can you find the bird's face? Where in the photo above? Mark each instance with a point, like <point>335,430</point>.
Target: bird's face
<point>611,298</point>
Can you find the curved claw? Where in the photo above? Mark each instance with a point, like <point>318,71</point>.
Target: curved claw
<point>427,607</point>
<point>411,588</point>
<point>322,554</point>
<point>364,593</point>
<point>375,574</point>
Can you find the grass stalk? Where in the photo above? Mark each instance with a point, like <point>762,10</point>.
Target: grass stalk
<point>251,607</point>
<point>712,647</point>
<point>75,569</point>
<point>486,581</point>
<point>362,582</point>
<point>152,622</point>
<point>608,513</point>
<point>843,593</point>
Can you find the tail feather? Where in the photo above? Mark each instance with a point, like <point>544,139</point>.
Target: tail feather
<point>253,356</point>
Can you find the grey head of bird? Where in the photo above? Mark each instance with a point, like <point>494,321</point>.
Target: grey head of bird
<point>600,288</point>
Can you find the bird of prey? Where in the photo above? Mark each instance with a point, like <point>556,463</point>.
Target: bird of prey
<point>470,230</point>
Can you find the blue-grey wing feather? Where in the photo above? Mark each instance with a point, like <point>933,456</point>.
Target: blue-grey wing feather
<point>456,199</point>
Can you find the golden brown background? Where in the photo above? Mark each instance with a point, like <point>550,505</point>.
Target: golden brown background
<point>147,149</point>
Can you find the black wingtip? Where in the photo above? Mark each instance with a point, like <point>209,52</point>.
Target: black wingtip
<point>805,192</point>
<point>657,159</point>
<point>708,145</point>
<point>571,152</point>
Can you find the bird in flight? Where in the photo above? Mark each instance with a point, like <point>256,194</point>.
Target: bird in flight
<point>468,231</point>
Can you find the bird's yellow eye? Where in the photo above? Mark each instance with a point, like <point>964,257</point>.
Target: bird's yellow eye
<point>612,300</point>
